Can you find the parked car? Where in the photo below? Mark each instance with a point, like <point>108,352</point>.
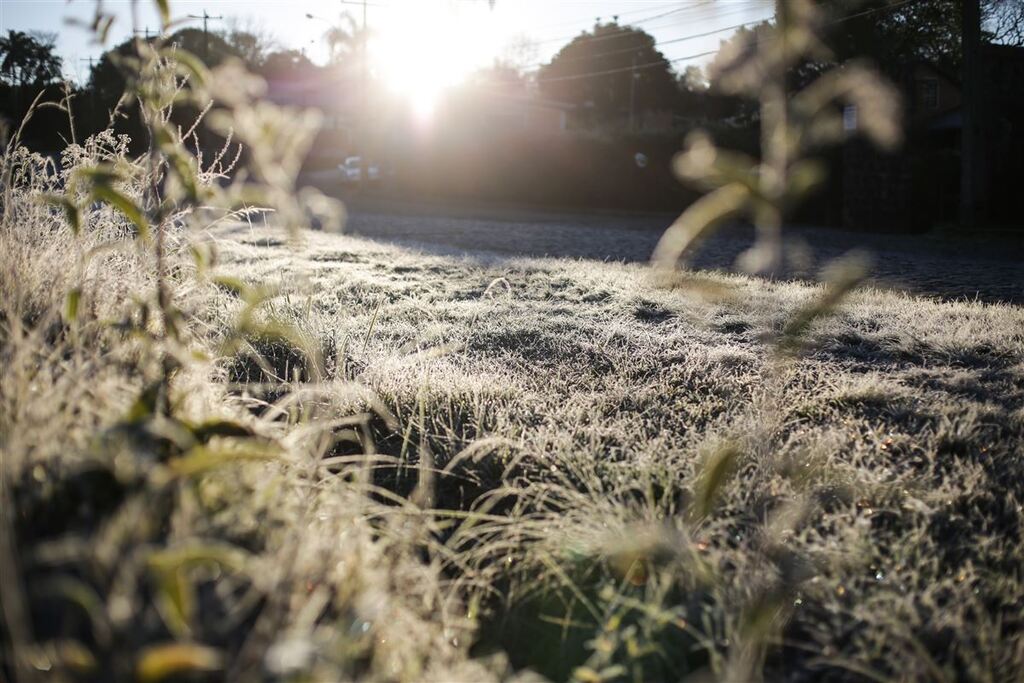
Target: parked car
<point>352,170</point>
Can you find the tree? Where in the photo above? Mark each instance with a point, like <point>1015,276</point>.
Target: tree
<point>343,39</point>
<point>743,42</point>
<point>106,82</point>
<point>520,52</point>
<point>106,79</point>
<point>500,77</point>
<point>211,48</point>
<point>24,60</point>
<point>1004,21</point>
<point>611,71</point>
<point>892,34</point>
<point>286,64</point>
<point>895,33</point>
<point>250,41</point>
<point>693,79</point>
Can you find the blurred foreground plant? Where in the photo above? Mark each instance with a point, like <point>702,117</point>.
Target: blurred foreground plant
<point>660,609</point>
<point>794,126</point>
<point>847,99</point>
<point>108,516</point>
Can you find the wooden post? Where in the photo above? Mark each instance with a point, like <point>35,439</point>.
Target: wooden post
<point>972,157</point>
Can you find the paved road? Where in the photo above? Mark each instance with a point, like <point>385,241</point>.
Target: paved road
<point>937,266</point>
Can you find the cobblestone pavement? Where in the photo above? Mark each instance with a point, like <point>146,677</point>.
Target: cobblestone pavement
<point>923,264</point>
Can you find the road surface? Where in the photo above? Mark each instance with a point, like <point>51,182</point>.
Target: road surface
<point>944,267</point>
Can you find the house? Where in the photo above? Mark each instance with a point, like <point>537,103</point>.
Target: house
<point>531,114</point>
<point>1003,69</point>
<point>505,111</point>
<point>919,186</point>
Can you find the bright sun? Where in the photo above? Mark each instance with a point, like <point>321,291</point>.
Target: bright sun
<point>426,47</point>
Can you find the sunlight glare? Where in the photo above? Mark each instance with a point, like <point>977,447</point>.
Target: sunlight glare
<point>427,47</point>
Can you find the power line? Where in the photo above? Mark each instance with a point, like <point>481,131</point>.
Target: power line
<point>588,39</point>
<point>620,14</point>
<point>649,65</point>
<point>865,13</point>
<point>661,43</point>
<point>595,39</point>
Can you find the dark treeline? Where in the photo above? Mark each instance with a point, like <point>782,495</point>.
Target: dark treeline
<point>597,125</point>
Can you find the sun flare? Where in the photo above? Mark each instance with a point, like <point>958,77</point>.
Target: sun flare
<point>427,47</point>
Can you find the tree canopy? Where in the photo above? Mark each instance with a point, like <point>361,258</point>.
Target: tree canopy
<point>921,30</point>
<point>286,64</point>
<point>596,68</point>
<point>253,48</point>
<point>24,60</point>
<point>107,81</point>
<point>500,77</point>
<point>893,34</point>
<point>343,39</point>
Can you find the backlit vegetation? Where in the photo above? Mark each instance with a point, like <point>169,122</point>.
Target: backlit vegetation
<point>248,452</point>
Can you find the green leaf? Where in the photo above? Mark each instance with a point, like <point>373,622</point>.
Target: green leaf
<point>161,662</point>
<point>703,216</point>
<point>144,406</point>
<point>175,600</point>
<point>236,286</point>
<point>715,473</point>
<point>204,256</point>
<point>188,64</point>
<point>63,654</point>
<point>163,136</point>
<point>196,554</point>
<point>843,276</point>
<point>804,176</point>
<point>205,457</point>
<point>102,27</point>
<point>101,174</point>
<point>119,201</point>
<point>185,173</point>
<point>74,298</point>
<point>164,9</point>
<point>78,593</point>
<point>204,431</point>
<point>71,212</point>
<point>175,596</point>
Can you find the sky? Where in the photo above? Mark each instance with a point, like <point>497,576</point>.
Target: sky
<point>413,37</point>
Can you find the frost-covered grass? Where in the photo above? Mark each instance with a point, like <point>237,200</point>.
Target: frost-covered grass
<point>502,465</point>
<point>877,485</point>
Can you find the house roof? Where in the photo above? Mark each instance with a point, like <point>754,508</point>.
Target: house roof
<point>532,101</point>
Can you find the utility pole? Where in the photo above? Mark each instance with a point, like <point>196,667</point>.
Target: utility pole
<point>972,153</point>
<point>364,114</point>
<point>206,17</point>
<point>146,33</point>
<point>632,96</point>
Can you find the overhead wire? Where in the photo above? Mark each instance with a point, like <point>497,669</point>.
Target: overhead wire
<point>675,60</point>
<point>642,20</point>
<point>660,43</point>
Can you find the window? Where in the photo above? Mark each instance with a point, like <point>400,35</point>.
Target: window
<point>930,93</point>
<point>850,118</point>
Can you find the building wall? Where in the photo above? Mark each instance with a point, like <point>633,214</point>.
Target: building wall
<point>876,189</point>
<point>545,119</point>
<point>925,80</point>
